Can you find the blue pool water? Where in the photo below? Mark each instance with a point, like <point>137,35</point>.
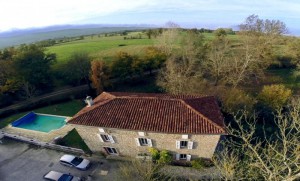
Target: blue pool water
<point>40,122</point>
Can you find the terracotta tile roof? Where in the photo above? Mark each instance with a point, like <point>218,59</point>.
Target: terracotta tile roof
<point>181,114</point>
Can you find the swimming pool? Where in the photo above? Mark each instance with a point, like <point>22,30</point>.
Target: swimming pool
<point>40,122</point>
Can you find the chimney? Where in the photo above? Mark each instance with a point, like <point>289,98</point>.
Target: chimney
<point>89,101</point>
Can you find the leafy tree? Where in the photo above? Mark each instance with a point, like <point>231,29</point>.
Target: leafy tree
<point>154,58</point>
<point>33,66</point>
<point>274,96</point>
<point>99,75</point>
<point>293,50</point>
<point>220,32</point>
<point>77,68</point>
<point>124,65</point>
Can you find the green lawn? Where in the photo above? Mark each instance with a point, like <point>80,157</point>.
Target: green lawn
<point>106,47</point>
<point>73,139</point>
<point>64,109</point>
<point>100,46</point>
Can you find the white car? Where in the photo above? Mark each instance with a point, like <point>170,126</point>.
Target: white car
<point>57,176</point>
<point>74,161</point>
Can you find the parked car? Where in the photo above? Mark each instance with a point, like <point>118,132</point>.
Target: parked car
<point>58,176</point>
<point>74,161</point>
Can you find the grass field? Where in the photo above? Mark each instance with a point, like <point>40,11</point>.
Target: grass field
<point>107,47</point>
<point>64,109</point>
<point>104,47</point>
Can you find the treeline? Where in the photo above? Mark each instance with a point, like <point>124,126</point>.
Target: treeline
<point>27,71</point>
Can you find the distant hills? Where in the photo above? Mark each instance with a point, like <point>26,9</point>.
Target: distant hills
<point>17,37</point>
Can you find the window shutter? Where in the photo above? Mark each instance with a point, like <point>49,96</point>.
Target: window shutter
<point>149,142</point>
<point>190,145</point>
<point>100,138</point>
<point>188,157</point>
<point>177,156</point>
<point>178,144</point>
<point>137,142</point>
<point>111,139</point>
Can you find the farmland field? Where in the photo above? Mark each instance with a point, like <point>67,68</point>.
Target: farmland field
<point>104,47</point>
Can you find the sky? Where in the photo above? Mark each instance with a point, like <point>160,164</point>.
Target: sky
<point>22,14</point>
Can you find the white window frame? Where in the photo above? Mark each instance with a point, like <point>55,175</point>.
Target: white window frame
<point>182,156</point>
<point>107,149</point>
<point>189,145</point>
<point>138,142</point>
<point>106,138</point>
<point>188,157</point>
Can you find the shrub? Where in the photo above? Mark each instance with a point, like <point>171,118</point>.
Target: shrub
<point>161,157</point>
<point>154,153</point>
<point>165,157</point>
<point>274,96</point>
<point>200,163</point>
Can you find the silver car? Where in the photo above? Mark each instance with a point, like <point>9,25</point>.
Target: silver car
<point>57,176</point>
<point>74,161</point>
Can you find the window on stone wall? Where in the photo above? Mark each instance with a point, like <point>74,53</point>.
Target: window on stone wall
<point>183,144</point>
<point>111,150</point>
<point>181,156</point>
<point>143,142</point>
<point>106,138</point>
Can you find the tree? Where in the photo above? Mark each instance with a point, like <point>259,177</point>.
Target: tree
<point>149,33</point>
<point>125,66</point>
<point>255,52</point>
<point>220,32</point>
<point>183,72</point>
<point>274,96</point>
<point>77,68</point>
<point>271,157</point>
<point>217,64</point>
<point>154,58</point>
<point>33,66</point>
<point>293,50</point>
<point>141,170</point>
<point>168,38</point>
<point>99,75</point>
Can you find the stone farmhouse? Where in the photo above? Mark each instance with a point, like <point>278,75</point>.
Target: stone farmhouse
<point>127,124</point>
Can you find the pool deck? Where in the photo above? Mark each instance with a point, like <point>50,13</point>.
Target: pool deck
<point>41,136</point>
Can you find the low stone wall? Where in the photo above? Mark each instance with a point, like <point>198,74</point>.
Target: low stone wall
<point>41,136</point>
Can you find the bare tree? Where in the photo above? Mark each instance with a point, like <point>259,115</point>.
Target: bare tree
<point>273,157</point>
<point>255,52</point>
<point>141,170</point>
<point>167,40</point>
<point>183,72</point>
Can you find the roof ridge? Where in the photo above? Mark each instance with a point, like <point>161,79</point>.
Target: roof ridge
<point>197,112</point>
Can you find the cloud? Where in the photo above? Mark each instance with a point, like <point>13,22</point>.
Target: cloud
<point>37,13</point>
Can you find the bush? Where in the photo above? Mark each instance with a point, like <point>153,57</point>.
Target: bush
<point>154,153</point>
<point>200,163</point>
<point>161,157</point>
<point>274,96</point>
<point>165,157</point>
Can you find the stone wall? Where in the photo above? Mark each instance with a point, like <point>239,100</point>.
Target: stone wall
<point>125,143</point>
